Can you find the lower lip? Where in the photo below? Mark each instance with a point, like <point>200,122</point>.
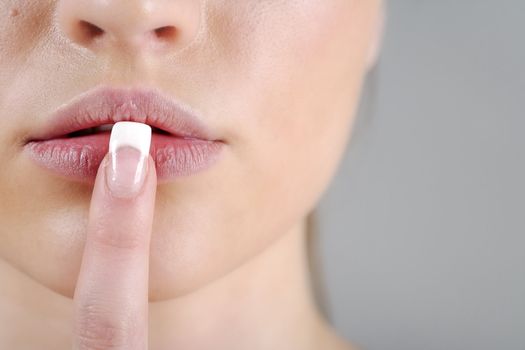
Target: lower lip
<point>78,158</point>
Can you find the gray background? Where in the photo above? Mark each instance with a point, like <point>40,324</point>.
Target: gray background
<point>423,229</point>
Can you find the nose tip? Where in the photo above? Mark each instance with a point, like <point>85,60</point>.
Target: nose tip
<point>140,24</point>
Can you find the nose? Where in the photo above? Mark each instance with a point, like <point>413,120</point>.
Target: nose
<point>137,24</point>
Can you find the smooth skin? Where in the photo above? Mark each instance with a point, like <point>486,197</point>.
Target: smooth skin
<point>223,264</point>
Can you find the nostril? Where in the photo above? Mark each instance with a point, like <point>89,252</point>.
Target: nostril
<point>90,30</point>
<point>166,32</point>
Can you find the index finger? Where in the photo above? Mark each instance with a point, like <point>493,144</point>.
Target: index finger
<point>111,296</point>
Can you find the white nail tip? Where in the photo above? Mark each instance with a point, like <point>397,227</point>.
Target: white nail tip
<point>133,134</point>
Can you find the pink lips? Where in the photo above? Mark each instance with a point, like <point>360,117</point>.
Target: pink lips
<point>181,144</point>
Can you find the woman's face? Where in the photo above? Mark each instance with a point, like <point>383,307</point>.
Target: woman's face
<point>278,81</point>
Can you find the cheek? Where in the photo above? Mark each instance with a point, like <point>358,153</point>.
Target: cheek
<point>297,84</point>
<point>23,23</point>
<point>286,79</point>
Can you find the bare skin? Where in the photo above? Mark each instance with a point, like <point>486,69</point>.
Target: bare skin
<point>211,261</point>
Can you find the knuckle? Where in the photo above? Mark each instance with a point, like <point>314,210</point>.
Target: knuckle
<point>118,239</point>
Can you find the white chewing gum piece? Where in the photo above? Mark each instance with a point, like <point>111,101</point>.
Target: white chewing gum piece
<point>132,134</point>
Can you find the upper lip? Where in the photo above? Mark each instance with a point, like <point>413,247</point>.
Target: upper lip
<point>109,105</point>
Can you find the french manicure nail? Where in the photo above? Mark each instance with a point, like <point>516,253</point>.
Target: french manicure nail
<point>126,170</point>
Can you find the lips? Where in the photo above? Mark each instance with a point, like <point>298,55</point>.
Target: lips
<point>76,139</point>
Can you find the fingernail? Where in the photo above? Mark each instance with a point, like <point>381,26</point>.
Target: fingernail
<point>126,170</point>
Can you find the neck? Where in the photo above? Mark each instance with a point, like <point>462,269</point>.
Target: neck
<point>264,304</point>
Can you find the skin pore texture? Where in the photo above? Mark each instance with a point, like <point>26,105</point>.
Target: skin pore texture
<point>279,82</point>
